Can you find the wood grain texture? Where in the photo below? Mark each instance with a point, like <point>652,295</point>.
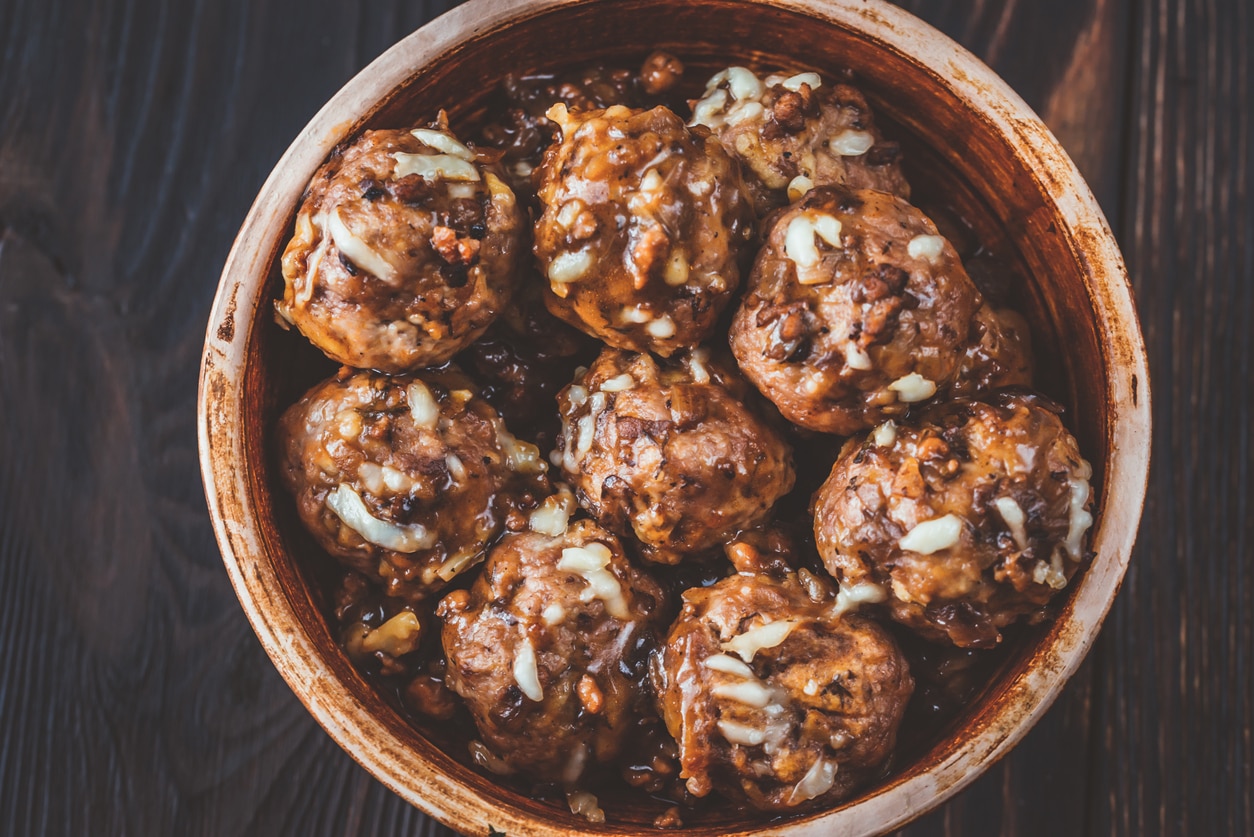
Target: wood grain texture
<point>134,698</point>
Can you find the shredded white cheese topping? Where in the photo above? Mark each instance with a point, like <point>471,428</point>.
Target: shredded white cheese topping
<point>423,408</point>
<point>526,672</point>
<point>913,387</point>
<point>569,267</point>
<point>553,515</point>
<point>358,251</point>
<point>619,383</point>
<point>800,247</point>
<point>933,535</point>
<point>885,434</point>
<point>742,734</point>
<point>853,596</point>
<point>856,358</point>
<point>927,247</point>
<point>726,664</point>
<point>756,639</point>
<point>348,507</point>
<point>433,167</point>
<point>676,269</point>
<point>590,561</point>
<point>1080,520</point>
<point>794,83</point>
<point>697,359</point>
<point>522,456</point>
<point>817,781</point>
<point>441,141</point>
<point>1012,513</point>
<point>851,143</point>
<point>749,692</point>
<point>798,186</point>
<point>662,328</point>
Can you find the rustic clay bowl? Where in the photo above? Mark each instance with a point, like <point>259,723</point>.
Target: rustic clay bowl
<point>968,137</point>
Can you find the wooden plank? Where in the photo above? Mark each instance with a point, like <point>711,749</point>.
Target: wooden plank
<point>1176,676</point>
<point>133,695</point>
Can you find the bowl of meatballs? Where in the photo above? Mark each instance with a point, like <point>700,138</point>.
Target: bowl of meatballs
<point>622,417</point>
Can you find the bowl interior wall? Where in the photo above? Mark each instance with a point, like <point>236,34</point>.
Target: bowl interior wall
<point>953,157</point>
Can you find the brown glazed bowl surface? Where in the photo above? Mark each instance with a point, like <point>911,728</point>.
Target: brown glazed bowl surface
<point>967,137</point>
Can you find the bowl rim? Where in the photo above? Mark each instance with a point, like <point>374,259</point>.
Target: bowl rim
<point>1023,700</point>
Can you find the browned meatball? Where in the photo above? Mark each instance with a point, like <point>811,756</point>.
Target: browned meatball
<point>669,451</point>
<point>776,695</point>
<point>1000,358</point>
<point>523,131</point>
<point>550,646</point>
<point>793,133</point>
<point>405,479</point>
<point>404,251</point>
<point>643,224</point>
<point>856,309</point>
<point>966,519</point>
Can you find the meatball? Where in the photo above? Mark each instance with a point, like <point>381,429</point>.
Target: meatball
<point>404,251</point>
<point>856,309</point>
<point>405,479</point>
<point>523,132</point>
<point>669,451</point>
<point>967,519</point>
<point>549,646</point>
<point>1001,356</point>
<point>776,694</point>
<point>792,133</point>
<point>642,227</point>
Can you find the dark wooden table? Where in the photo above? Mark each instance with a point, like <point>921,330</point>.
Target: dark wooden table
<point>134,698</point>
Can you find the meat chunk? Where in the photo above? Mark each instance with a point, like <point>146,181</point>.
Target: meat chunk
<point>670,452</point>
<point>642,226</point>
<point>522,131</point>
<point>792,133</point>
<point>856,309</point>
<point>404,251</point>
<point>999,357</point>
<point>548,649</point>
<point>405,479</point>
<point>968,518</point>
<point>776,694</point>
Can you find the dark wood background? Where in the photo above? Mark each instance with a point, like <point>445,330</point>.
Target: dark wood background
<point>134,698</point>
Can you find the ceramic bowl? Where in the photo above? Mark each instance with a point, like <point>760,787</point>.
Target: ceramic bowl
<point>966,135</point>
